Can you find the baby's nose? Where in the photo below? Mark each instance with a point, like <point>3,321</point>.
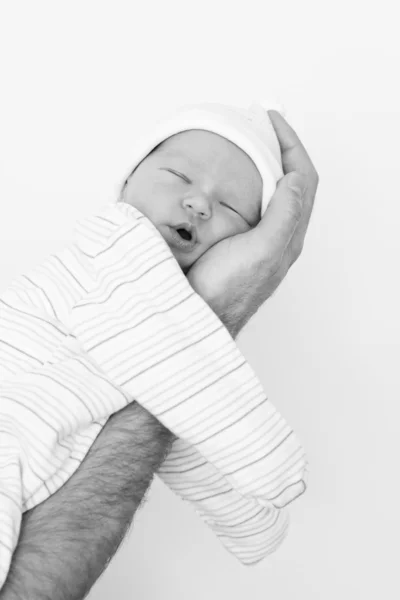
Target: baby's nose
<point>198,206</point>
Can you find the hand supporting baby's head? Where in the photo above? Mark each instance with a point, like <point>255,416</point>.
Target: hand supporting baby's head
<point>197,188</point>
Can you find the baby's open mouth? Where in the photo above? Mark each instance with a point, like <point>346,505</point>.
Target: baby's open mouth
<point>183,236</point>
<point>186,235</point>
<point>186,231</point>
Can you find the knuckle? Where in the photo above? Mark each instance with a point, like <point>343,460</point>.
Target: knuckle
<point>315,176</point>
<point>312,175</point>
<point>300,245</point>
<point>294,251</point>
<point>296,254</point>
<point>298,250</point>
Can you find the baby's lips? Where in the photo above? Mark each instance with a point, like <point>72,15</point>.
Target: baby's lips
<point>188,227</point>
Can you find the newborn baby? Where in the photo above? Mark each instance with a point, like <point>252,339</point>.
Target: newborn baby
<point>112,318</point>
<point>197,188</point>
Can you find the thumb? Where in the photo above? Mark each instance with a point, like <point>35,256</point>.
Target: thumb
<point>283,213</point>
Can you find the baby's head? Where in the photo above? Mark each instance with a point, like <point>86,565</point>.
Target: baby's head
<point>197,188</point>
<point>203,174</point>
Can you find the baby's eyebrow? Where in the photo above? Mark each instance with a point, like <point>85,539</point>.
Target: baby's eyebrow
<point>177,154</point>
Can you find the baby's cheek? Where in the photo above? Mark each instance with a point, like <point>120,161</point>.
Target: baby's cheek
<point>227,229</point>
<point>218,230</point>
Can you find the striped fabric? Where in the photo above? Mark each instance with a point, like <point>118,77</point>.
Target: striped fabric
<point>111,319</point>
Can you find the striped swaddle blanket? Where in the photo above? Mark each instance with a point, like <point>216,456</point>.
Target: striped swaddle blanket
<point>111,319</point>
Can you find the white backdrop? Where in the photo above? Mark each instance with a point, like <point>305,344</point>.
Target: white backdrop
<point>79,81</point>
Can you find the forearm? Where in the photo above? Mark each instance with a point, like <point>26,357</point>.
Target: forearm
<point>67,541</point>
<point>231,320</point>
<point>234,312</point>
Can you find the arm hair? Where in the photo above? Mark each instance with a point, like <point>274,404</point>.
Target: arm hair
<point>67,541</point>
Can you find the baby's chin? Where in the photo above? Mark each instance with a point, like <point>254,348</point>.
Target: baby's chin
<point>185,262</point>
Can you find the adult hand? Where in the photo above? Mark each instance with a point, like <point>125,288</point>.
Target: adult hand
<point>238,274</point>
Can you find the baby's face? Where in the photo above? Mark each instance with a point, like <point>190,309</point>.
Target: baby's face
<point>197,189</point>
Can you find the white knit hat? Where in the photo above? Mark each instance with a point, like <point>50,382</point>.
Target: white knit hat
<point>250,129</point>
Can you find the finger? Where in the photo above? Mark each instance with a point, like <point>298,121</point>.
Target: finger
<point>297,241</point>
<point>294,155</point>
<point>295,158</point>
<point>281,218</point>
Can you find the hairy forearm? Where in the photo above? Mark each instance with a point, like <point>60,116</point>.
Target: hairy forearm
<point>67,541</point>
<point>236,306</point>
<point>234,312</point>
<point>232,320</point>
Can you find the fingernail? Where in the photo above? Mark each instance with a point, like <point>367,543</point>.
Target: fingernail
<point>297,183</point>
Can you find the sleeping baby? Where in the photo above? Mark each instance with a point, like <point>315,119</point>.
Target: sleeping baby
<point>198,186</point>
<point>112,318</point>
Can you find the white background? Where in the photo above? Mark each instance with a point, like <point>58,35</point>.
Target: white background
<point>79,81</point>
